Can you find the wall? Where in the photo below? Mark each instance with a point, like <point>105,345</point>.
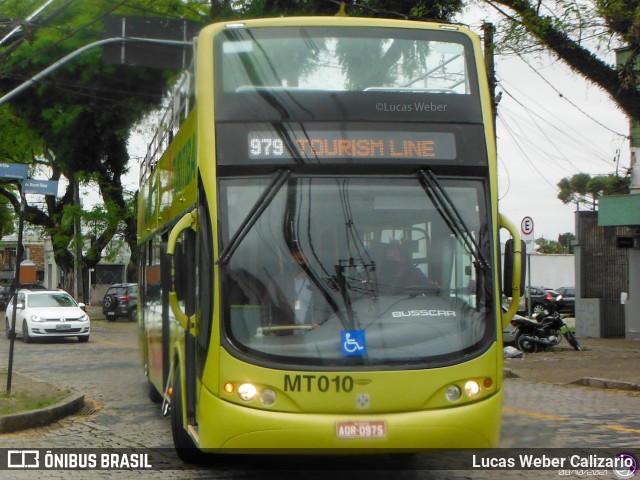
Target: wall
<point>551,271</point>
<point>632,306</point>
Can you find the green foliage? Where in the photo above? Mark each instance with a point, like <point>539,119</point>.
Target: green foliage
<point>584,190</point>
<point>76,122</point>
<point>7,217</point>
<point>19,143</point>
<point>563,245</point>
<point>417,10</point>
<point>581,36</point>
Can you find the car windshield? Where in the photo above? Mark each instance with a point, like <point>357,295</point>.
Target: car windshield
<point>53,299</point>
<point>373,259</point>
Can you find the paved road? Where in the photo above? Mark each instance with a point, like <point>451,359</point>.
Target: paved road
<point>119,415</point>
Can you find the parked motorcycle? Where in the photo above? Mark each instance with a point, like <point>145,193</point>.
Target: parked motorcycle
<point>547,331</point>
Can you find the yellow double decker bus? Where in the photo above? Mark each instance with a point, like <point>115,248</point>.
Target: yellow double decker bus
<point>319,241</point>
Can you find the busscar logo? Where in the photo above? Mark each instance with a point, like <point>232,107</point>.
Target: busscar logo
<point>23,459</point>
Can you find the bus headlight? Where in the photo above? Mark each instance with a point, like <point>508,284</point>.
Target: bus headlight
<point>267,397</point>
<point>471,388</point>
<point>453,393</point>
<point>247,392</point>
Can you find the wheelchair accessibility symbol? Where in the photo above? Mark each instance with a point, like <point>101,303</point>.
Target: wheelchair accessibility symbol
<point>353,343</point>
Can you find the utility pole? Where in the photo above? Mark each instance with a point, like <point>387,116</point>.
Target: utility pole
<point>16,287</point>
<point>77,231</point>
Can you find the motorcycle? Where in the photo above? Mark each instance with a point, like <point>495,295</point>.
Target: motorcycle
<point>546,331</point>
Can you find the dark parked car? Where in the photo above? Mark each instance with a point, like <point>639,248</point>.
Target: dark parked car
<point>6,292</point>
<point>569,298</point>
<point>541,299</point>
<point>121,300</point>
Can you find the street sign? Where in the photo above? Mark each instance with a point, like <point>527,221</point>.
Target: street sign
<point>150,54</point>
<point>13,170</point>
<point>43,187</point>
<point>526,228</point>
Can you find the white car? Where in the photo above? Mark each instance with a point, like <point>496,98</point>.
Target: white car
<point>47,313</point>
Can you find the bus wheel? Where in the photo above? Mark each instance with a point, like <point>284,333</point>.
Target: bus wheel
<point>187,451</point>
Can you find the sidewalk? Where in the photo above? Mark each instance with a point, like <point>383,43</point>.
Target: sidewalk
<point>603,363</point>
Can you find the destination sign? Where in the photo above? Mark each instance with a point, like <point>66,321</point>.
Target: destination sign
<point>337,144</point>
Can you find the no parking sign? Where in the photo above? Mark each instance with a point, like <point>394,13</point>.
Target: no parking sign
<point>526,228</point>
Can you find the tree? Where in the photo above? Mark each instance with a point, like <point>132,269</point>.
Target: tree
<point>82,114</point>
<point>562,246</point>
<point>581,35</point>
<point>583,189</point>
<point>417,9</point>
<point>22,146</point>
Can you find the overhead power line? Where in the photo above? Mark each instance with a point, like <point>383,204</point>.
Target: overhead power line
<point>573,104</point>
<point>28,19</point>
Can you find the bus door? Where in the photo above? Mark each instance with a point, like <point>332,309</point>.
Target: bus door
<point>182,299</point>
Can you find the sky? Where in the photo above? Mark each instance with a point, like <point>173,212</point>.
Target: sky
<point>551,124</point>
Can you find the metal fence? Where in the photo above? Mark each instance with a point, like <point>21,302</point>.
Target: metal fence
<point>604,271</point>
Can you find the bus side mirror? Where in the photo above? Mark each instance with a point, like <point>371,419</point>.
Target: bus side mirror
<point>508,270</point>
<point>513,270</point>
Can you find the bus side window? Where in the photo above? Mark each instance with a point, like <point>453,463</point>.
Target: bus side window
<point>184,264</point>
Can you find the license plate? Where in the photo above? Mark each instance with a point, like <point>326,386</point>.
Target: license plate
<point>361,429</point>
<point>63,326</point>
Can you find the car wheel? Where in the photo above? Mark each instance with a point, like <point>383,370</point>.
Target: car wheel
<point>133,314</point>
<point>25,332</point>
<point>83,339</point>
<point>109,303</point>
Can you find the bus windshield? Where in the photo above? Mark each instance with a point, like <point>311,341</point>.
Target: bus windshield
<point>356,255</point>
<point>364,73</point>
<point>321,58</point>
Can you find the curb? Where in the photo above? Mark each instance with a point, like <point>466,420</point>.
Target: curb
<point>43,416</point>
<point>604,383</point>
<point>508,373</point>
<point>592,382</point>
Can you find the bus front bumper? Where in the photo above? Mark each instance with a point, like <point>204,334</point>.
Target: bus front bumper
<point>237,429</point>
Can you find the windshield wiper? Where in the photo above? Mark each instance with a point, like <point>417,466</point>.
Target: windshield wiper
<point>278,179</point>
<point>451,215</point>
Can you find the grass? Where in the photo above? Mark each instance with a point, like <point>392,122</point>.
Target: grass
<point>27,394</point>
